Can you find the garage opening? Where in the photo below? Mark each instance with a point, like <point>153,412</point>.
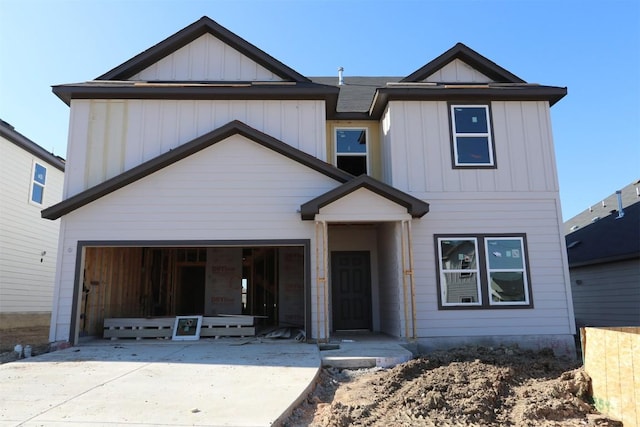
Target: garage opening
<point>267,282</point>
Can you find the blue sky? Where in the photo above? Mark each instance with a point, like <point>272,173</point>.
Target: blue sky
<point>591,47</point>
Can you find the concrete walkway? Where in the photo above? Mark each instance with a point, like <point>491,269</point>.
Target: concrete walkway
<point>225,382</point>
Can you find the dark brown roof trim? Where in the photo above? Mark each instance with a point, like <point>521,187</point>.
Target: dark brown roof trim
<point>334,115</point>
<point>126,90</point>
<point>469,56</point>
<point>605,260</point>
<point>190,33</point>
<point>552,94</point>
<point>8,132</point>
<point>415,207</point>
<point>186,150</point>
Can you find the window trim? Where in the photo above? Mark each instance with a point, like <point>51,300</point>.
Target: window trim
<point>366,154</point>
<point>482,266</point>
<point>34,183</point>
<point>489,134</point>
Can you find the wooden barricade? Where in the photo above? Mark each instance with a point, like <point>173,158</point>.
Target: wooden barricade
<point>612,360</point>
<point>162,327</point>
<point>227,326</point>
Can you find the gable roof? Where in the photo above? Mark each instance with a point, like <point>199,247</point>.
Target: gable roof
<point>360,98</point>
<point>471,58</point>
<point>149,167</point>
<point>188,34</point>
<point>600,234</point>
<point>8,132</point>
<point>415,207</point>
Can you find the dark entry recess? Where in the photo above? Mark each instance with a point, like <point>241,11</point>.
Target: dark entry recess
<point>351,290</point>
<point>191,287</point>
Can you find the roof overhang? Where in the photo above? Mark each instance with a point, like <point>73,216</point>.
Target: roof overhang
<point>458,92</point>
<point>415,207</point>
<point>199,91</point>
<point>9,133</point>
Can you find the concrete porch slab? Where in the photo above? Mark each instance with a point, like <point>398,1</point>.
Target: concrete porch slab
<point>364,351</point>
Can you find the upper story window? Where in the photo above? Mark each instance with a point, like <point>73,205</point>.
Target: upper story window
<point>478,271</point>
<point>352,150</point>
<point>38,182</point>
<point>471,136</point>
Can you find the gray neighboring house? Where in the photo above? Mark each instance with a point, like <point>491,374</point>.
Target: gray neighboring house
<point>603,245</point>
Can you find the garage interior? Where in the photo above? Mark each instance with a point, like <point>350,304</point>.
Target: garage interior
<point>267,282</point>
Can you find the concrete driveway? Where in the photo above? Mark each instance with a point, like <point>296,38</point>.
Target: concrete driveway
<point>225,382</point>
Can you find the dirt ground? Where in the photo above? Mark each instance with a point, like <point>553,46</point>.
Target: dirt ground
<point>471,386</point>
<point>36,337</point>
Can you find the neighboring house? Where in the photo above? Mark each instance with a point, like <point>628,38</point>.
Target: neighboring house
<point>603,243</point>
<point>32,179</point>
<point>208,177</point>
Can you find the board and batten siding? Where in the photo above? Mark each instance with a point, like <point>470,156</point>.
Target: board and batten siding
<point>458,71</point>
<point>108,137</point>
<point>231,191</point>
<point>607,294</point>
<point>538,219</point>
<point>390,278</point>
<point>28,243</point>
<point>206,58</point>
<point>417,148</point>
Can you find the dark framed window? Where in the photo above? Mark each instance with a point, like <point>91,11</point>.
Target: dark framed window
<point>38,182</point>
<point>483,271</point>
<point>352,150</point>
<point>471,136</point>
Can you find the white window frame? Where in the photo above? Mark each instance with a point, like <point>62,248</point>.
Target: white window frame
<point>455,134</point>
<point>36,183</point>
<point>522,270</point>
<point>443,282</point>
<point>335,146</point>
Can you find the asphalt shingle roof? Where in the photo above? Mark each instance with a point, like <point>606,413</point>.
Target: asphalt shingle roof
<point>599,234</point>
<point>356,94</point>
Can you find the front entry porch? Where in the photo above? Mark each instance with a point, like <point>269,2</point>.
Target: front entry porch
<point>364,221</point>
<point>370,287</point>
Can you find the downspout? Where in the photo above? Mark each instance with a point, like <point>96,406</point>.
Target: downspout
<point>325,247</point>
<point>411,281</point>
<point>318,280</point>
<point>404,281</point>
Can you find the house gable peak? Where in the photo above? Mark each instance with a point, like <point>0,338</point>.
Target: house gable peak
<point>183,151</point>
<point>415,207</point>
<point>191,33</point>
<point>460,53</point>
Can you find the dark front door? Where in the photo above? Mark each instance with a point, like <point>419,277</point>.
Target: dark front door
<point>351,290</point>
<point>191,290</point>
